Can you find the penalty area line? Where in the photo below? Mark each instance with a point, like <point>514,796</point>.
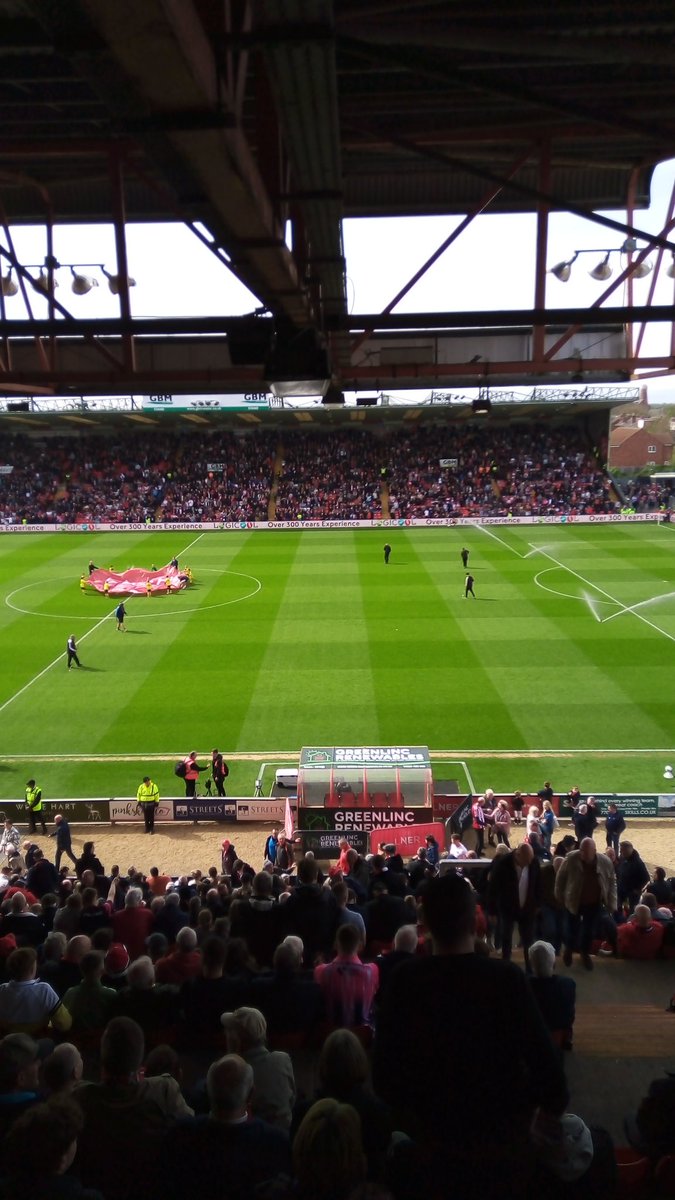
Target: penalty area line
<point>596,588</point>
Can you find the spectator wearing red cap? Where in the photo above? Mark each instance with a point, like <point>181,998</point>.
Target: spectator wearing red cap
<point>115,966</point>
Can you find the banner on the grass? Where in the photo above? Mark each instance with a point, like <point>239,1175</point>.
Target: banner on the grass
<point>273,809</point>
<point>396,523</point>
<point>327,844</point>
<point>130,810</point>
<point>408,840</point>
<point>205,810</point>
<point>362,818</point>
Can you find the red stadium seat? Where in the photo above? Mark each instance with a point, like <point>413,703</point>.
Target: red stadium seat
<point>634,1171</point>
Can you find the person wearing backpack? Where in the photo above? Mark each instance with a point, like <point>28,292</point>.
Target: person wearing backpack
<point>191,774</point>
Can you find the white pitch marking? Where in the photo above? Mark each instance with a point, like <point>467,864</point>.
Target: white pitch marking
<point>174,611</point>
<point>248,755</point>
<point>632,607</point>
<point>484,529</point>
<point>89,632</point>
<point>596,588</point>
<point>554,591</point>
<point>472,787</point>
<point>53,663</point>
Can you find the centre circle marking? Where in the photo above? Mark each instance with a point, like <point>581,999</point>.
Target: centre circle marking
<point>173,611</point>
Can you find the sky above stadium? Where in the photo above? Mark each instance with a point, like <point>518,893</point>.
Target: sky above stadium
<point>491,266</point>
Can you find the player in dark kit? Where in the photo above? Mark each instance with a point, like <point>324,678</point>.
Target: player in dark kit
<point>71,650</point>
<point>120,614</point>
<point>468,586</point>
<point>464,555</point>
<point>387,552</point>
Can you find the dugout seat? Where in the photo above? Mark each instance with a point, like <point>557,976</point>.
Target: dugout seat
<point>379,799</point>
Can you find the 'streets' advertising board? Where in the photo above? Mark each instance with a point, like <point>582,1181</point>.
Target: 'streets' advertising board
<point>273,810</point>
<point>204,810</point>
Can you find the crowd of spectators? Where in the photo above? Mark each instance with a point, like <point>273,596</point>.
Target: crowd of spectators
<point>330,477</point>
<point>157,1025</point>
<point>210,476</point>
<point>456,471</point>
<point>520,470</point>
<point>646,495</point>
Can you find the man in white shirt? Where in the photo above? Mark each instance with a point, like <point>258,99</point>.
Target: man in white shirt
<point>457,847</point>
<point>10,841</point>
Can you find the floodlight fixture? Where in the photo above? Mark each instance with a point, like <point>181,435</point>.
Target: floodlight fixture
<point>482,405</point>
<point>603,269</point>
<point>9,285</point>
<point>82,283</point>
<point>297,364</point>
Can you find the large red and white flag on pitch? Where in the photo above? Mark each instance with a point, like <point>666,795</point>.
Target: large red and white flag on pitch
<point>288,820</point>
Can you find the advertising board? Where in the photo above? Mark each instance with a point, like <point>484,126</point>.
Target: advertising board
<point>129,810</point>
<point>407,840</point>
<point>76,811</point>
<point>362,818</point>
<point>204,810</point>
<point>327,844</point>
<point>273,810</point>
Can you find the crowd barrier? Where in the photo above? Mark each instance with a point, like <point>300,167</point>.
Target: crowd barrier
<point>120,809</point>
<point>325,825</point>
<point>394,523</point>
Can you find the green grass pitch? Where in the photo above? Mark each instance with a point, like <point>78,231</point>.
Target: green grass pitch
<point>561,668</point>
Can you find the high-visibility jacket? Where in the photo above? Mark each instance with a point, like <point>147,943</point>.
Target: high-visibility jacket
<point>34,799</point>
<point>148,793</point>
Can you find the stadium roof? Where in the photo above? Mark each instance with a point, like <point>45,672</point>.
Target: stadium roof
<point>239,118</point>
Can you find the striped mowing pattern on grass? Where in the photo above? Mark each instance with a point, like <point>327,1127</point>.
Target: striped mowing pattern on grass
<point>337,648</point>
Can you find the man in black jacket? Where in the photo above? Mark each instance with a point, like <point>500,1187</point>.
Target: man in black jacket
<point>631,875</point>
<point>63,841</point>
<point>477,1017</point>
<point>514,892</point>
<point>312,913</point>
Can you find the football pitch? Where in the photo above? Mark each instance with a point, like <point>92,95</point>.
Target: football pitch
<point>561,668</point>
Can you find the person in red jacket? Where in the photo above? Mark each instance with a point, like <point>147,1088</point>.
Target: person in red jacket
<point>640,937</point>
<point>133,924</point>
<point>192,770</point>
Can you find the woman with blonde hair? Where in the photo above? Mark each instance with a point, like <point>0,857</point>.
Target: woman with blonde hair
<point>548,823</point>
<point>328,1155</point>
